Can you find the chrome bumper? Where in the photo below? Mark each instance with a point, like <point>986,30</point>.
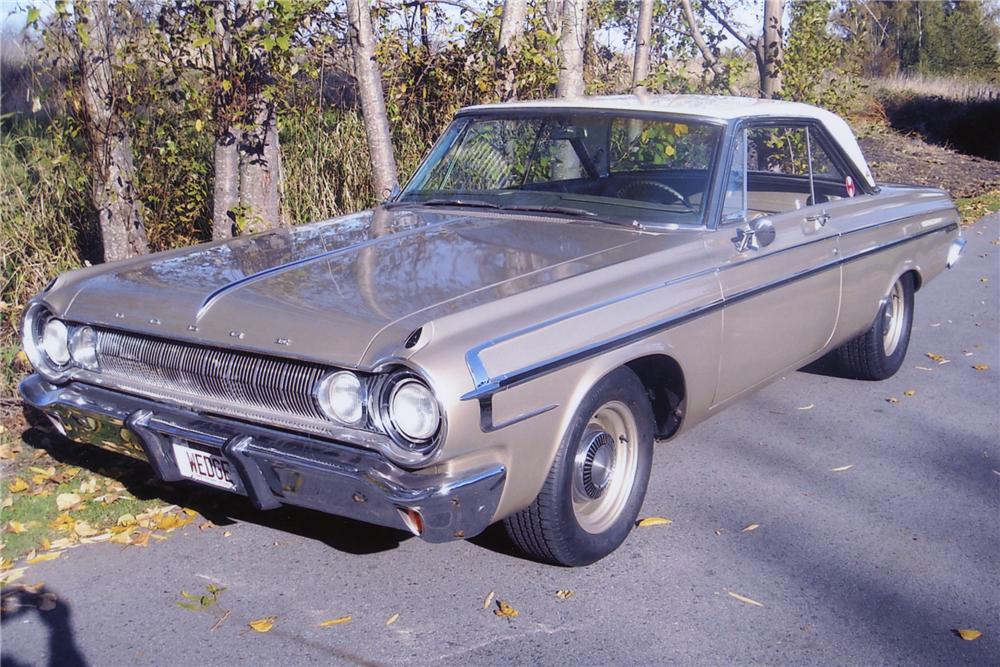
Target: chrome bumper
<point>275,467</point>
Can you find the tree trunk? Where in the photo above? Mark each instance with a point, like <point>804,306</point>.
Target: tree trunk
<point>769,50</point>
<point>369,79</point>
<point>643,33</point>
<point>260,172</point>
<point>226,197</point>
<point>699,41</point>
<point>511,30</point>
<point>572,41</point>
<point>119,211</point>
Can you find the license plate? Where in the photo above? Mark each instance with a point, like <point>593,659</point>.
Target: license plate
<point>204,467</point>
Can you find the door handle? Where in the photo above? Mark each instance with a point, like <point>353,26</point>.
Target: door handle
<point>820,219</point>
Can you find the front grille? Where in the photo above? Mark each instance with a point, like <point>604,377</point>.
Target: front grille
<point>238,379</point>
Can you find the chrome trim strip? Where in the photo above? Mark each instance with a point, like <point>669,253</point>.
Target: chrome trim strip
<point>218,293</point>
<point>487,425</point>
<point>496,384</point>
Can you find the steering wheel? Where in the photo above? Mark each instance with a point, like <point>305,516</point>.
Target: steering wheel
<point>636,187</point>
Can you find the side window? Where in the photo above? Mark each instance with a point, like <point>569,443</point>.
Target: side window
<point>734,206</point>
<point>829,182</point>
<point>778,178</point>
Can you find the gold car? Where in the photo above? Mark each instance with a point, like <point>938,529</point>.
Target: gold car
<point>561,284</point>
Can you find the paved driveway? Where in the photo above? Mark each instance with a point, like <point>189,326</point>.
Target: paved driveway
<point>874,564</point>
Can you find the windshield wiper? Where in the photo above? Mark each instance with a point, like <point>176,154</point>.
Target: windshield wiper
<point>476,203</point>
<point>564,210</point>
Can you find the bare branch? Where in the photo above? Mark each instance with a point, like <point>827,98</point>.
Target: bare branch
<point>699,40</point>
<point>749,42</point>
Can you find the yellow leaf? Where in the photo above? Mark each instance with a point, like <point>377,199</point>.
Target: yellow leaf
<point>198,125</point>
<point>18,486</point>
<point>842,468</point>
<point>10,576</point>
<point>263,624</point>
<point>489,600</point>
<point>63,522</point>
<point>744,599</point>
<point>969,634</point>
<point>336,621</point>
<point>122,538</point>
<point>90,486</point>
<point>505,610</point>
<point>6,564</point>
<point>392,619</point>
<point>936,357</point>
<point>141,539</point>
<point>910,392</point>
<point>41,558</point>
<point>43,472</point>
<point>70,473</point>
<point>46,544</point>
<point>654,521</point>
<point>168,522</point>
<point>84,529</point>
<point>205,525</point>
<point>16,527</point>
<point>750,527</point>
<point>64,501</point>
<point>982,367</point>
<point>564,595</point>
<point>61,543</point>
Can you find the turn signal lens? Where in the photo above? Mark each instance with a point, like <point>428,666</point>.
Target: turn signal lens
<point>341,397</point>
<point>83,348</point>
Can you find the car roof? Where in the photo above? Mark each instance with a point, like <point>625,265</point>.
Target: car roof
<point>719,107</point>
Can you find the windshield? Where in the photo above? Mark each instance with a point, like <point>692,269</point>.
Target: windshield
<point>610,167</point>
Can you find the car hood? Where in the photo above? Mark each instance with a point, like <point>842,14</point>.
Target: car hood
<point>323,291</point>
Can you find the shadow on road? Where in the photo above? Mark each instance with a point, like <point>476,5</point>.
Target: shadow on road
<point>19,601</point>
<point>222,509</point>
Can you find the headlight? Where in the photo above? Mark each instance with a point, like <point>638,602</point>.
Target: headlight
<point>55,341</point>
<point>83,348</point>
<point>414,411</point>
<point>341,397</point>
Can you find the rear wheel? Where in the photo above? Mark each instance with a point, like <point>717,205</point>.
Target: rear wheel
<point>879,352</point>
<point>597,482</point>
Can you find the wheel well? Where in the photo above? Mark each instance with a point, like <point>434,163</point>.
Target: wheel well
<point>918,282</point>
<point>664,382</point>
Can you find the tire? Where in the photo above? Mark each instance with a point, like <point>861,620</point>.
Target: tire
<point>879,352</point>
<point>566,524</point>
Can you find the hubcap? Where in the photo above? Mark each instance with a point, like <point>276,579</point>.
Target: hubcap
<point>605,466</point>
<point>893,316</point>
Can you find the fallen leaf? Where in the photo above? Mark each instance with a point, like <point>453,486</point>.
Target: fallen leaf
<point>910,393</point>
<point>65,501</point>
<point>18,486</point>
<point>892,399</point>
<point>718,531</point>
<point>90,486</point>
<point>6,502</point>
<point>336,621</point>
<point>489,600</point>
<point>392,619</point>
<point>70,473</point>
<point>205,525</point>
<point>969,634</point>
<point>126,520</point>
<point>744,599</point>
<point>16,527</point>
<point>63,522</point>
<point>140,539</point>
<point>564,595</point>
<point>923,368</point>
<point>124,537</point>
<point>227,534</point>
<point>48,602</point>
<point>505,610</point>
<point>41,558</point>
<point>61,543</point>
<point>750,527</point>
<point>936,357</point>
<point>84,529</point>
<point>807,407</point>
<point>190,606</point>
<point>6,563</point>
<point>263,624</point>
<point>10,576</point>
<point>654,521</point>
<point>982,367</point>
<point>842,468</point>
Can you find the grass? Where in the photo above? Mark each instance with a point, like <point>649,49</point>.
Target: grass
<point>974,208</point>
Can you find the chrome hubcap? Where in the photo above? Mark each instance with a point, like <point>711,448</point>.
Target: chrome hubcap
<point>605,466</point>
<point>893,316</point>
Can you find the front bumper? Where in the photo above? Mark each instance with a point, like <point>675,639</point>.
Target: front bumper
<point>275,467</point>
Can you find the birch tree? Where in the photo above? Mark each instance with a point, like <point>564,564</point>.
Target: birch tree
<point>572,43</point>
<point>643,33</point>
<point>113,192</point>
<point>511,31</point>
<point>369,81</point>
<point>766,46</point>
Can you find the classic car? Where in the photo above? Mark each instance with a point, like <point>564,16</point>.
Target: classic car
<point>560,285</point>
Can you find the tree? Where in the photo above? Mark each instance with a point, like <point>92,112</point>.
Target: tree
<point>710,59</point>
<point>643,33</point>
<point>369,80</point>
<point>766,47</point>
<point>572,44</point>
<point>113,192</point>
<point>508,44</point>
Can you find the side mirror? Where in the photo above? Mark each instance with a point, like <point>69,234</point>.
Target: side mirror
<point>758,233</point>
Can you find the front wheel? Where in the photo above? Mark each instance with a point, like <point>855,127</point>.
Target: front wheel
<point>879,352</point>
<point>598,480</point>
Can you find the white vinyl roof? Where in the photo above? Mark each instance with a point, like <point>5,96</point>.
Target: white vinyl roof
<point>710,106</point>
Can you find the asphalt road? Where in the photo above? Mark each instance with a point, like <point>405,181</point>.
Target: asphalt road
<point>875,564</point>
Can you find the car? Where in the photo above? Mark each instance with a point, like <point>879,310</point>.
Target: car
<point>561,284</point>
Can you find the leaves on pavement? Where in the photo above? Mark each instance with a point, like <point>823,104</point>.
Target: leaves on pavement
<point>67,501</point>
<point>392,619</point>
<point>654,521</point>
<point>750,527</point>
<point>744,599</point>
<point>340,620</point>
<point>504,610</point>
<point>263,624</point>
<point>938,358</point>
<point>842,468</point>
<point>969,634</point>
<point>564,595</point>
<point>489,600</point>
<point>41,558</point>
<point>981,367</point>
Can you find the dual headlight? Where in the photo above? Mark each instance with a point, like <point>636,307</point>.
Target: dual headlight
<point>55,348</point>
<point>398,403</point>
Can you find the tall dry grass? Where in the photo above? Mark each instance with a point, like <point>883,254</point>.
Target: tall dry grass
<point>950,88</point>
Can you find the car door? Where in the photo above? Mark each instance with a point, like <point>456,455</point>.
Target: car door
<point>777,256</point>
